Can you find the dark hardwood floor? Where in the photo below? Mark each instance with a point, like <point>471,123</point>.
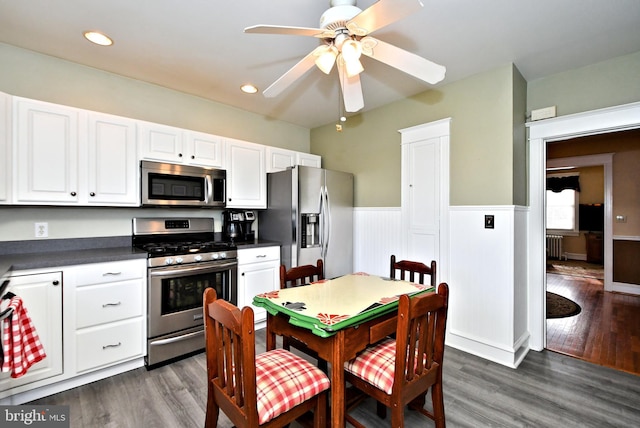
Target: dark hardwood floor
<point>547,390</point>
<point>605,332</point>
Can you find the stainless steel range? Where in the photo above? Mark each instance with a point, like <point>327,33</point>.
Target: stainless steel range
<point>184,259</point>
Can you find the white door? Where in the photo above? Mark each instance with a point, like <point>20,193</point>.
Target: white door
<point>423,207</point>
<point>425,194</point>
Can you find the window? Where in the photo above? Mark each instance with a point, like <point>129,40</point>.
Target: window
<point>562,210</point>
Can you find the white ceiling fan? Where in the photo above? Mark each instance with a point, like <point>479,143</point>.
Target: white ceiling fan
<point>344,31</point>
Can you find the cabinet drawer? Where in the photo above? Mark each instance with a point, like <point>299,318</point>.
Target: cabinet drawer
<point>262,254</point>
<point>99,304</point>
<point>111,343</point>
<point>109,272</point>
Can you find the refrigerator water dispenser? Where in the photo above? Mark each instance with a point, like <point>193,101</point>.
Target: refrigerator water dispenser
<point>310,230</point>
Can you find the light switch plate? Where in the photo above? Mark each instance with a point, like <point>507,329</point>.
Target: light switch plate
<point>488,221</point>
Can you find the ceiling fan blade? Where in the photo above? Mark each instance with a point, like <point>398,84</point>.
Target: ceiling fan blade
<point>290,31</point>
<point>408,62</point>
<point>294,73</point>
<point>383,13</point>
<point>351,89</point>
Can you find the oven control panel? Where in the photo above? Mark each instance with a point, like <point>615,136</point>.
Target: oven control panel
<point>185,259</point>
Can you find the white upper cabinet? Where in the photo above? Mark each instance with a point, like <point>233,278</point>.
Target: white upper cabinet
<point>160,143</point>
<point>112,175</point>
<point>307,159</point>
<point>281,159</point>
<point>69,156</point>
<point>204,149</point>
<point>175,145</point>
<point>246,175</point>
<point>5,148</point>
<point>46,145</point>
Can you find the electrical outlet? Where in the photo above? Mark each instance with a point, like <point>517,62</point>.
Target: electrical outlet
<point>42,230</point>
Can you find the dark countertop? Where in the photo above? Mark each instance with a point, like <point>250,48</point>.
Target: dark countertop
<point>42,254</point>
<point>49,259</point>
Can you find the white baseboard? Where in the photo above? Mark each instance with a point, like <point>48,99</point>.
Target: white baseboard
<point>575,256</point>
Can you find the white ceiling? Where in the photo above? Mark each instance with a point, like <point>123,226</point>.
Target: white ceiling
<point>198,46</point>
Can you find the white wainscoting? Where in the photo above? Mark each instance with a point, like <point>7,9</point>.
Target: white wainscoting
<point>376,236</point>
<point>488,283</point>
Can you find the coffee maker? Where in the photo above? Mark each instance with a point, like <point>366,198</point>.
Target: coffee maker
<point>237,225</point>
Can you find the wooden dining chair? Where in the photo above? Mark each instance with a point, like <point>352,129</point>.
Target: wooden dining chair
<point>400,372</point>
<point>271,389</point>
<point>296,277</point>
<point>301,275</point>
<point>413,269</point>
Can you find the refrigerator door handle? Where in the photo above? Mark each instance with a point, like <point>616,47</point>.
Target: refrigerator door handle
<point>321,212</point>
<point>327,228</point>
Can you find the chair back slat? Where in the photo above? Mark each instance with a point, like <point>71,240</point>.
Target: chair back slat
<point>416,271</point>
<point>421,324</point>
<point>301,275</point>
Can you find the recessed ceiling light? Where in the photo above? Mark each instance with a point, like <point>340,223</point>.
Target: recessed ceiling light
<point>248,89</point>
<point>98,38</point>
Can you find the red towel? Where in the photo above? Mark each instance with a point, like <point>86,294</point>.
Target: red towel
<point>20,343</point>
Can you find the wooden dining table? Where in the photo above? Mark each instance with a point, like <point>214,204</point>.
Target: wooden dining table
<point>337,318</point>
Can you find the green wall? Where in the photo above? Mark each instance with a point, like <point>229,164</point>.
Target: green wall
<point>486,110</point>
<point>603,84</point>
<point>32,75</point>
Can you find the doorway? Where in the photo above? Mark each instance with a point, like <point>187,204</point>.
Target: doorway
<point>588,123</point>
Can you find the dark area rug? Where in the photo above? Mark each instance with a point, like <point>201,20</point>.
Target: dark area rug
<point>561,307</point>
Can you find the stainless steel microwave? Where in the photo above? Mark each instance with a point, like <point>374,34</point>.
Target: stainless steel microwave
<point>165,184</point>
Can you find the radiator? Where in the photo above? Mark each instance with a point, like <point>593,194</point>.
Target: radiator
<point>554,246</point>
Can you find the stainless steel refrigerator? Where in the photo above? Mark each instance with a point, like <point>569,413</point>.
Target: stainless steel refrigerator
<point>310,212</point>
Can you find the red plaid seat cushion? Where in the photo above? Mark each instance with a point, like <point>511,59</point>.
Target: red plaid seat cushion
<point>376,365</point>
<point>284,380</point>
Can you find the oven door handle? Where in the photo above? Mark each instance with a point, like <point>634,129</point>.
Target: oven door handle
<point>192,269</point>
<point>176,339</point>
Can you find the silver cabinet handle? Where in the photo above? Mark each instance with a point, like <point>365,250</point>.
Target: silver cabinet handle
<point>112,273</point>
<point>111,304</point>
<point>112,346</point>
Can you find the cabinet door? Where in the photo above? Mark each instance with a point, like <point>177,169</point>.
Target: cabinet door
<point>5,148</point>
<point>246,175</point>
<point>42,297</point>
<point>46,144</point>
<point>279,159</point>
<point>113,164</point>
<point>204,149</point>
<point>307,159</point>
<point>160,143</point>
<point>256,278</point>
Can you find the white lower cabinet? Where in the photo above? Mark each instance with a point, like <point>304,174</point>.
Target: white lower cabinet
<point>110,309</point>
<point>41,295</point>
<point>93,326</point>
<point>258,272</point>
<point>108,343</point>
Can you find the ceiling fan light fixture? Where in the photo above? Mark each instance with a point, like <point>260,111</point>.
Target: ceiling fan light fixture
<point>353,67</point>
<point>326,60</point>
<point>351,50</point>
